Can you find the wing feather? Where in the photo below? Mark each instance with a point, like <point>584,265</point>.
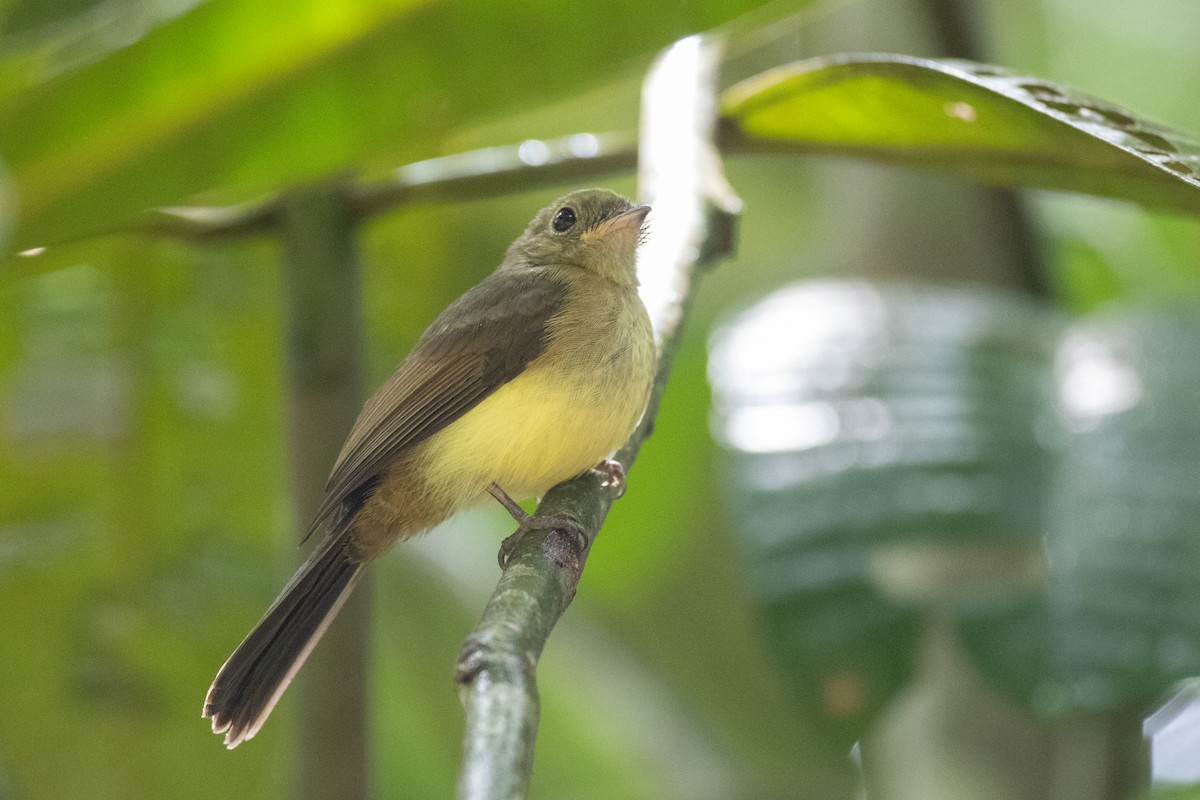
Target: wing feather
<point>481,341</point>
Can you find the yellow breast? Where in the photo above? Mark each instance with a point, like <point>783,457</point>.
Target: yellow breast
<point>571,407</point>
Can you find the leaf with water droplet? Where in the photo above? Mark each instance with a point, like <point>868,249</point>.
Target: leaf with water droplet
<point>974,120</point>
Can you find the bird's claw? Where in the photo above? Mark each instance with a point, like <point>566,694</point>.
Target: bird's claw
<point>568,523</point>
<point>613,473</point>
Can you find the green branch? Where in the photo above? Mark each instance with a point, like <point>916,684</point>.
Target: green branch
<point>680,170</point>
<point>489,172</point>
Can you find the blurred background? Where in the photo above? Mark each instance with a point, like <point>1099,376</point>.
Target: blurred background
<point>736,632</point>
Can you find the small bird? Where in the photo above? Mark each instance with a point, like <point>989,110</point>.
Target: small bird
<point>533,376</point>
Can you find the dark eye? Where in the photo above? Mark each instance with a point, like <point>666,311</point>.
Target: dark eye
<point>563,220</point>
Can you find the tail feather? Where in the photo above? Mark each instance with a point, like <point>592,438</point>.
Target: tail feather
<point>253,679</point>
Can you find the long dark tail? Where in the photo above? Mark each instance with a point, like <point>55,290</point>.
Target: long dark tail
<point>253,679</point>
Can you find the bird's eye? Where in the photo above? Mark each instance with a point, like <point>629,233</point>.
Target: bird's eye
<point>563,220</point>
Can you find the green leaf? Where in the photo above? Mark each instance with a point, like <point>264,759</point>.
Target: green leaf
<point>882,461</point>
<point>1124,559</point>
<point>172,113</point>
<point>239,97</point>
<point>970,119</point>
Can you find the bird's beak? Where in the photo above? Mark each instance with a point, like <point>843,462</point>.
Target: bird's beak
<point>629,222</point>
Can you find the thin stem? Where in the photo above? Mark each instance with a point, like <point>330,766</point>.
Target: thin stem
<point>957,37</point>
<point>489,172</point>
<point>324,377</point>
<point>496,171</point>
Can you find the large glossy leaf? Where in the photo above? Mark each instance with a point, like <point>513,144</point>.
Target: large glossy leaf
<point>966,118</point>
<point>1124,556</point>
<point>243,95</point>
<point>882,461</point>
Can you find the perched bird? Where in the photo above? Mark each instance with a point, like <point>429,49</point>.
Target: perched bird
<point>533,376</point>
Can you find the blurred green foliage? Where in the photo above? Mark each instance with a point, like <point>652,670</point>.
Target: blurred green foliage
<point>236,97</point>
<point>144,522</point>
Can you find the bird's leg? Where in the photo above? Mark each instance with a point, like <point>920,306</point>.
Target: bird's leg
<point>614,476</point>
<point>510,505</point>
<point>533,522</point>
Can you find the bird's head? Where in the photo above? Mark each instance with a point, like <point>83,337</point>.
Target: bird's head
<point>592,229</point>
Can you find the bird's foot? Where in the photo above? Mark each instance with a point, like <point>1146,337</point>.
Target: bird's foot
<point>613,473</point>
<point>526,522</point>
<point>567,523</point>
